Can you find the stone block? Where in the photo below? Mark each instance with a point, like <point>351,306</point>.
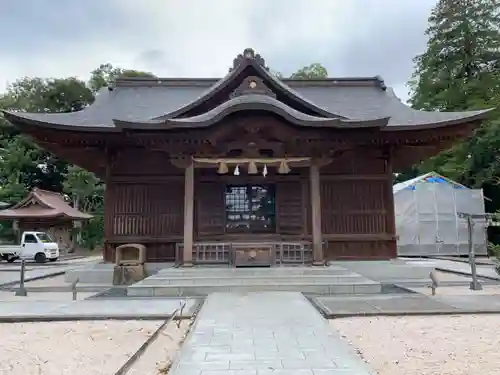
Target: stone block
<point>130,254</point>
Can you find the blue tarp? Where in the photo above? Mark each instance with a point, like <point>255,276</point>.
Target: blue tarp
<point>435,180</point>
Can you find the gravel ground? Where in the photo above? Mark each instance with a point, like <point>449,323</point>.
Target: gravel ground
<point>70,348</point>
<point>162,351</point>
<point>429,345</point>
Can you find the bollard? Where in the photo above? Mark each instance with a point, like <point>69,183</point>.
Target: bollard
<point>21,292</point>
<point>73,289</point>
<point>475,284</point>
<point>435,282</point>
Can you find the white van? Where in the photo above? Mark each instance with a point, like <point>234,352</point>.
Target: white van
<point>37,246</point>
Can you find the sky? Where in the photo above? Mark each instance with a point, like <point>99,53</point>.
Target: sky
<point>187,38</point>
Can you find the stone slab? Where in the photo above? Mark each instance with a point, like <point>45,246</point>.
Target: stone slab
<point>203,281</point>
<point>258,271</point>
<point>393,304</point>
<point>94,309</point>
<point>461,268</point>
<point>247,279</point>
<point>140,290</point>
<point>471,302</point>
<point>390,271</point>
<point>264,333</point>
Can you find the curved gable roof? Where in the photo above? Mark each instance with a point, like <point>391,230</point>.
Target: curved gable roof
<point>241,65</point>
<point>251,103</point>
<point>43,204</point>
<point>155,100</point>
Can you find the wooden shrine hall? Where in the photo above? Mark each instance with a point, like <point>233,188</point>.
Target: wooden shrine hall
<point>248,169</point>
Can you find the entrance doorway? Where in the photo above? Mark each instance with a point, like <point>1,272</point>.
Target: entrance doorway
<point>250,208</point>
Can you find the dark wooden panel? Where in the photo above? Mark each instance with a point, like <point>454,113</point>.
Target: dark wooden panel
<point>361,250</point>
<point>353,207</point>
<point>141,162</point>
<point>210,208</point>
<point>154,210</point>
<point>360,161</point>
<point>289,207</point>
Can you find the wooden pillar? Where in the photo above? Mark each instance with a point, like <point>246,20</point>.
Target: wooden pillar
<point>317,242</point>
<point>109,207</point>
<point>389,206</point>
<point>187,258</point>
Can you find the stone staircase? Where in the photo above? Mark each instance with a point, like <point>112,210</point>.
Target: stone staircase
<point>201,281</point>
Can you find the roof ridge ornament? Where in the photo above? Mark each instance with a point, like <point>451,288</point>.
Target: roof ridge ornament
<point>252,85</point>
<point>248,54</point>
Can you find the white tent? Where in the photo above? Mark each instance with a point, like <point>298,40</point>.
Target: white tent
<point>426,210</point>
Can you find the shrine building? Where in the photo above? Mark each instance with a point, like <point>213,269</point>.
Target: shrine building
<point>295,170</point>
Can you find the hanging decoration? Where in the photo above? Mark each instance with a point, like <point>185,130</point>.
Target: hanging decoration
<point>222,169</point>
<point>283,168</point>
<point>252,168</point>
<point>251,164</point>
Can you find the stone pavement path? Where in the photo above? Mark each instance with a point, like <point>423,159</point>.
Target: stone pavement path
<point>269,333</point>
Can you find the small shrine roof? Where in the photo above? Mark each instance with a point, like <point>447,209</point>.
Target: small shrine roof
<point>43,204</point>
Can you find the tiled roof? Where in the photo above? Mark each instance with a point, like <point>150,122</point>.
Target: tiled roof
<point>146,100</point>
<point>43,204</point>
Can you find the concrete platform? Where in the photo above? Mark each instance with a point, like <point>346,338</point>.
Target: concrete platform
<point>203,281</point>
<point>405,304</point>
<point>19,311</point>
<point>102,273</point>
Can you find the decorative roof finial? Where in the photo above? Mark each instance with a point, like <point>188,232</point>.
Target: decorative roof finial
<point>248,54</point>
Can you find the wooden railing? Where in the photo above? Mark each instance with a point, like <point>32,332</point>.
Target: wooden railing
<point>289,252</point>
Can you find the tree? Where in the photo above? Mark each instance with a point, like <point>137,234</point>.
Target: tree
<point>37,167</point>
<point>460,68</point>
<point>106,74</point>
<point>460,71</point>
<point>81,186</point>
<point>86,192</point>
<point>312,71</point>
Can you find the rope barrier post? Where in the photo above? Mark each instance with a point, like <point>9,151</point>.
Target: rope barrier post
<point>22,292</point>
<point>73,289</point>
<point>475,284</point>
<point>434,282</point>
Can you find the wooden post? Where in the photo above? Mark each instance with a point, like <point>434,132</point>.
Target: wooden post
<point>317,243</point>
<point>187,259</point>
<point>390,216</point>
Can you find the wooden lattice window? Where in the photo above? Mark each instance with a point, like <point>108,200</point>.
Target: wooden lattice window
<point>250,208</point>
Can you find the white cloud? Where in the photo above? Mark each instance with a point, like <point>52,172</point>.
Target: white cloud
<point>201,38</point>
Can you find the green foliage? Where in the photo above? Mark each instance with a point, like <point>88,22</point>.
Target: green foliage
<point>24,165</point>
<point>106,74</point>
<point>312,71</point>
<point>92,234</point>
<point>460,71</point>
